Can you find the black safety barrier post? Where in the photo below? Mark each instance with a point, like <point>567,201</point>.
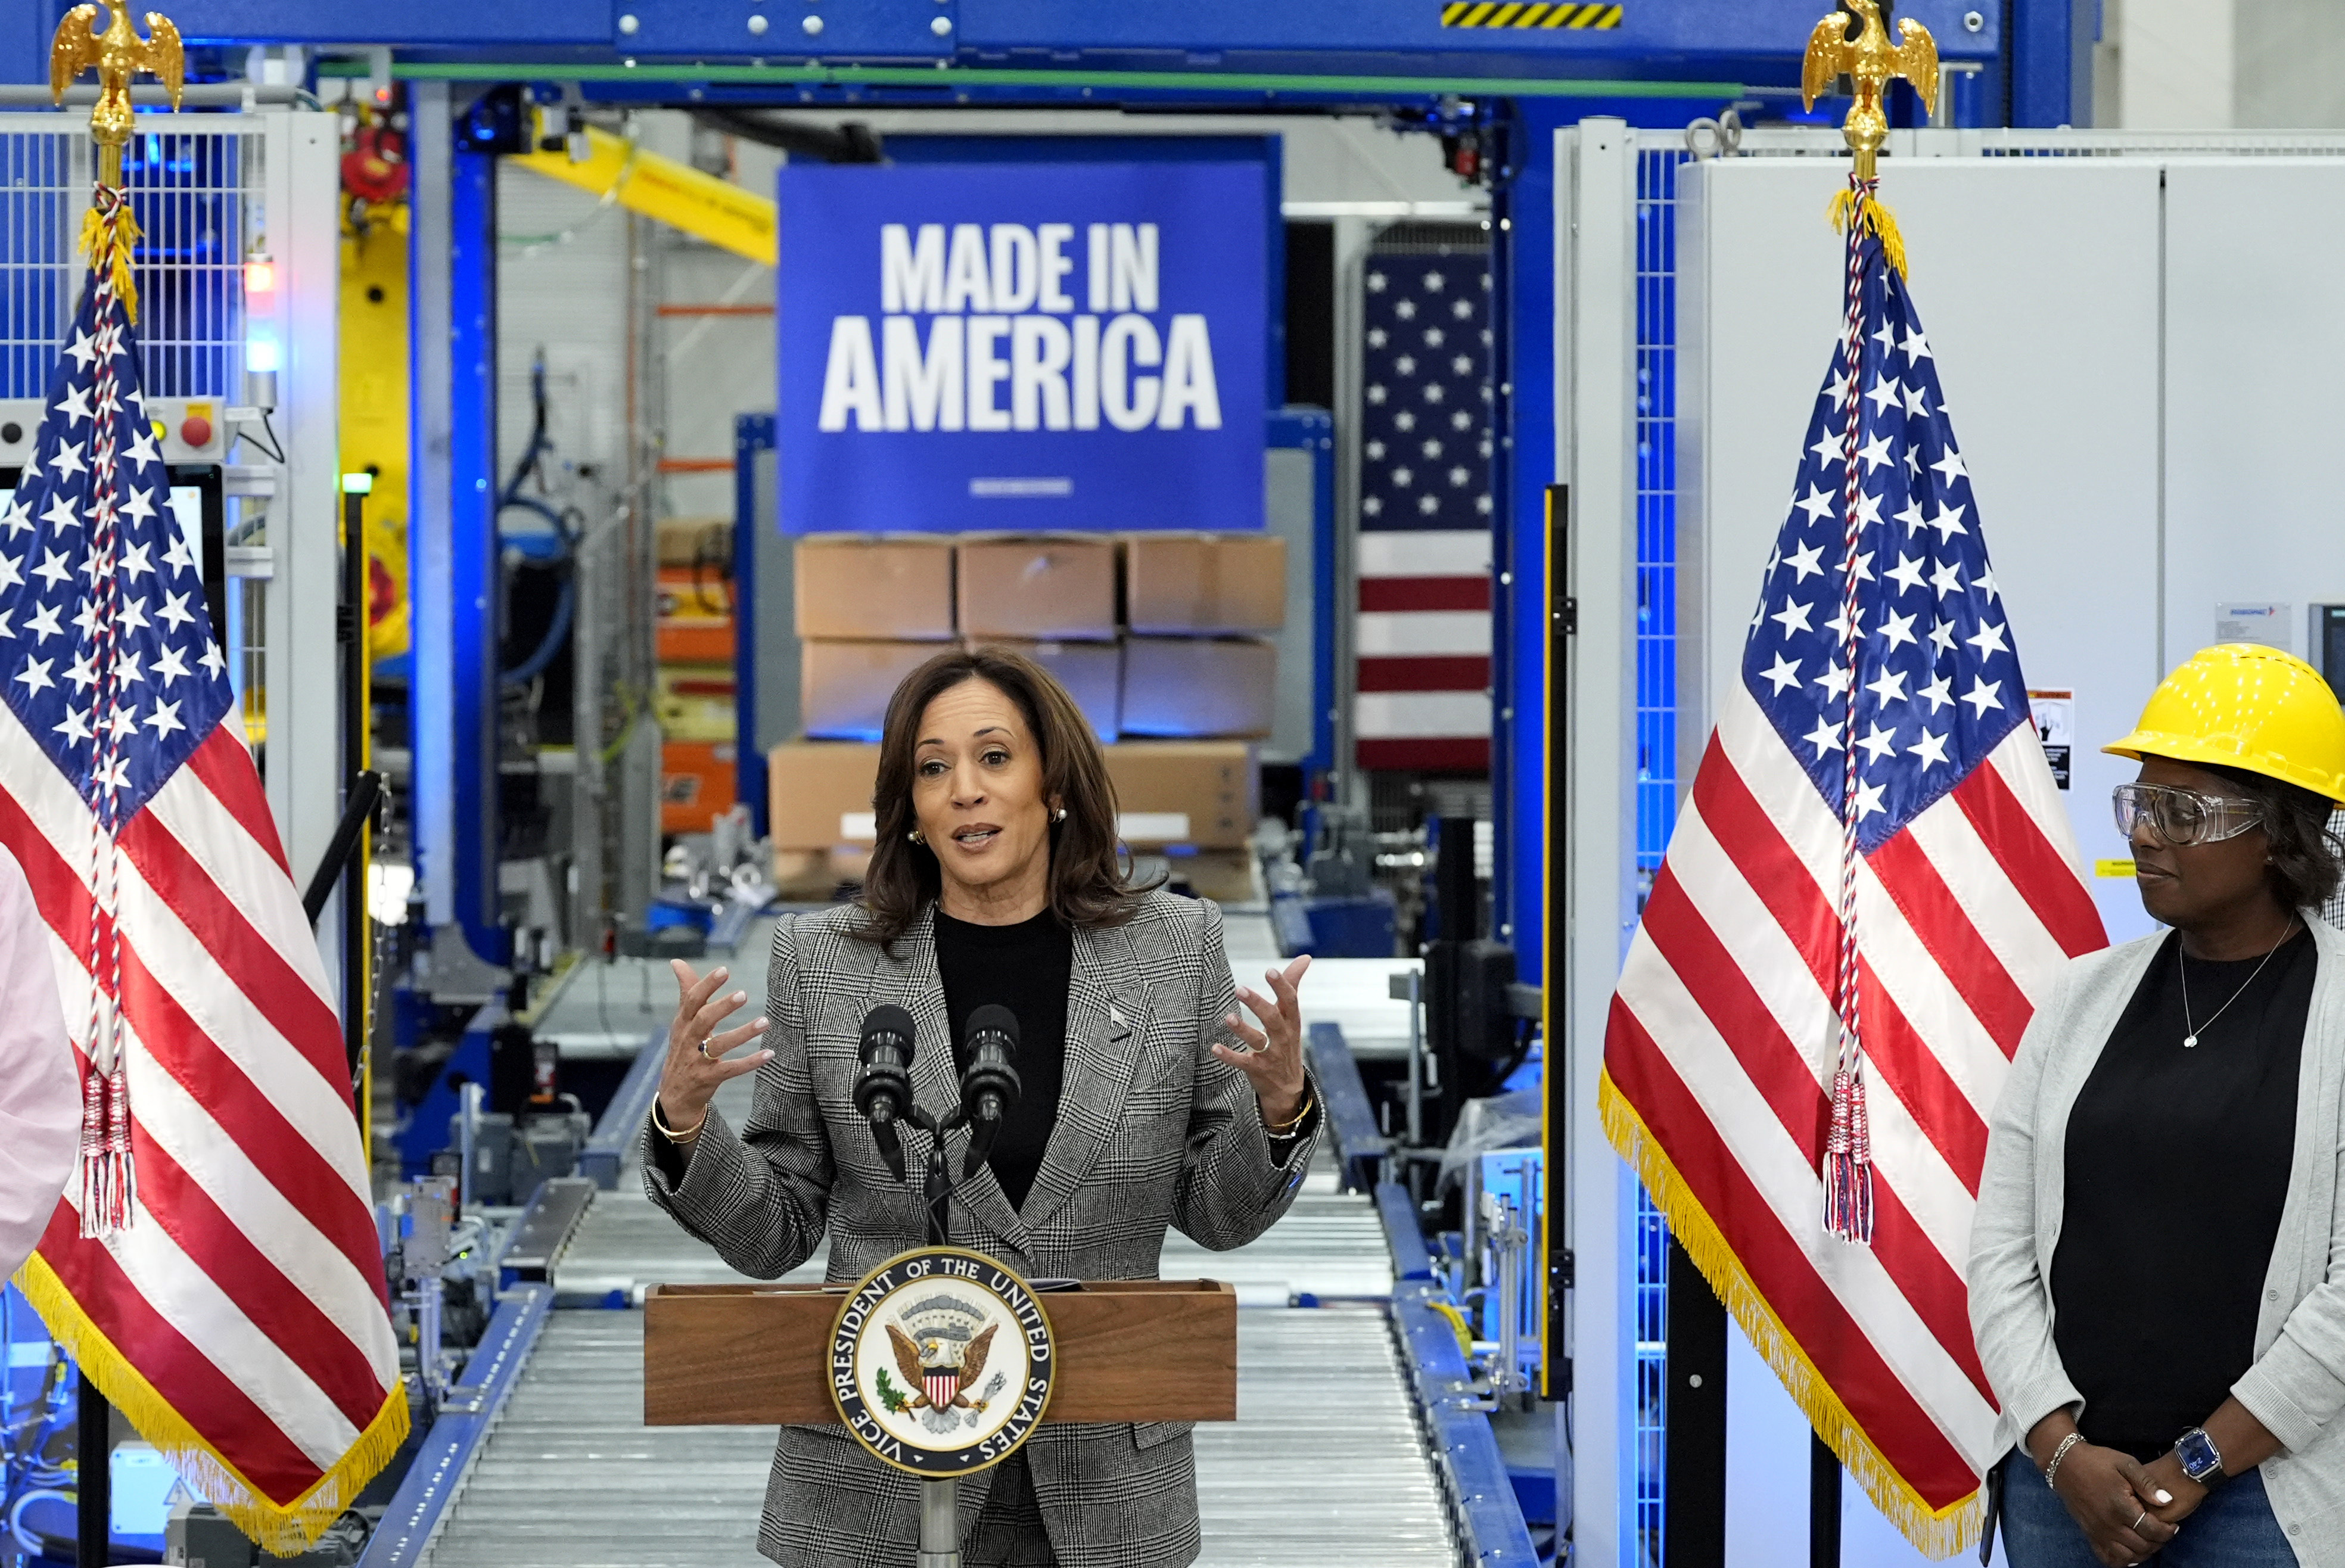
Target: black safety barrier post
<point>1562,626</point>
<point>93,1477</point>
<point>1694,1456</point>
<point>1824,1505</point>
<point>358,982</point>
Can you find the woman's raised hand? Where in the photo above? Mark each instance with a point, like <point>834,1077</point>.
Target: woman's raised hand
<point>699,1058</point>
<point>1273,1058</point>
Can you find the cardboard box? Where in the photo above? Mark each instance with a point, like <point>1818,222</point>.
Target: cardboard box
<point>818,876</point>
<point>694,611</point>
<point>695,703</point>
<point>1199,686</point>
<point>844,687</point>
<point>857,587</point>
<point>1204,584</point>
<point>818,795</point>
<point>1092,674</point>
<point>1224,875</point>
<point>1058,588</point>
<point>1200,793</point>
<point>689,541</point>
<point>695,786</point>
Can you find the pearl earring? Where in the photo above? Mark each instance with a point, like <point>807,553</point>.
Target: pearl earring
<point>915,836</point>
<point>1062,814</point>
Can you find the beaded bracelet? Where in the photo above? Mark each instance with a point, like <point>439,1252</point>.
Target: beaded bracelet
<point>2060,1453</point>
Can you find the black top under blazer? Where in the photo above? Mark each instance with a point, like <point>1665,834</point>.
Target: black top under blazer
<point>1152,1131</point>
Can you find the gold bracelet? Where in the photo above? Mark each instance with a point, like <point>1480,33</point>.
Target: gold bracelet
<point>1289,1128</point>
<point>680,1139</point>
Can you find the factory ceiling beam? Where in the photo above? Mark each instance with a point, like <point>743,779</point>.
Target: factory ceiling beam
<point>1424,43</point>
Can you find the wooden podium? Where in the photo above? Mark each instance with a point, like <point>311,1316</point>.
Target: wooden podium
<point>794,1355</point>
<point>755,1355</point>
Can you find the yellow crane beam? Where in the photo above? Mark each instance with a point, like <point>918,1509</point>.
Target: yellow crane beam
<point>659,188</point>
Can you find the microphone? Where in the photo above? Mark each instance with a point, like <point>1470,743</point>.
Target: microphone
<point>989,1084</point>
<point>883,1089</point>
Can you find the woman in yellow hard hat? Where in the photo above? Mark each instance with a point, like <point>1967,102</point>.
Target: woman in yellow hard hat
<point>2149,1270</point>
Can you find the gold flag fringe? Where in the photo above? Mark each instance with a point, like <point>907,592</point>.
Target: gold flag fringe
<point>287,1529</point>
<point>1870,213</point>
<point>1936,1533</point>
<point>109,238</point>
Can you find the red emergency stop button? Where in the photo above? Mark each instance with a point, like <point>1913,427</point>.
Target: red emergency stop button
<point>196,431</point>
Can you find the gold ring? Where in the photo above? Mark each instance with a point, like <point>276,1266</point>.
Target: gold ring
<point>2136,1525</point>
<point>702,1050</point>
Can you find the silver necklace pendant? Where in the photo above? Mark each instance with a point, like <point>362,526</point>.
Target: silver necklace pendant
<point>2182,969</point>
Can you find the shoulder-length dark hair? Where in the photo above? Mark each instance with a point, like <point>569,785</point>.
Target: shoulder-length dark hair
<point>1091,883</point>
<point>2305,865</point>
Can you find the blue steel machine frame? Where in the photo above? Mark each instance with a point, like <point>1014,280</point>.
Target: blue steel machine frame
<point>1034,50</point>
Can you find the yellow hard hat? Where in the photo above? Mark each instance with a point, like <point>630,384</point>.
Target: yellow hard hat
<point>2242,705</point>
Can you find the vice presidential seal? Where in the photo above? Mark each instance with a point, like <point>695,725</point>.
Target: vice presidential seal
<point>941,1361</point>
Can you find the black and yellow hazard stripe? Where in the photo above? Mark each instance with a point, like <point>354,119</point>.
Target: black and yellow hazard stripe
<point>1489,13</point>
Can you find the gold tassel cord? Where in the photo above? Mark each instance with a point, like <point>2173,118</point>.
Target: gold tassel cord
<point>287,1529</point>
<point>1873,216</point>
<point>108,240</point>
<point>1938,1534</point>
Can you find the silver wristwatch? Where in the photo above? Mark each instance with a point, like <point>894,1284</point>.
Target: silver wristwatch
<point>2201,1460</point>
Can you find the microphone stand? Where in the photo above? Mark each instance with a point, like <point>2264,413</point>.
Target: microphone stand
<point>936,1178</point>
<point>941,1500</point>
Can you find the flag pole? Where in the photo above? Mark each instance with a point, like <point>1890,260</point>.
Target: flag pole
<point>1824,1505</point>
<point>1855,43</point>
<point>118,54</point>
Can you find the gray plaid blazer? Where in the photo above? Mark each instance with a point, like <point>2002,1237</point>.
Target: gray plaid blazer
<point>1152,1131</point>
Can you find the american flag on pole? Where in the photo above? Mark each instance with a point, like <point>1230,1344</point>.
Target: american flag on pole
<point>215,1266</point>
<point>1424,627</point>
<point>1869,890</point>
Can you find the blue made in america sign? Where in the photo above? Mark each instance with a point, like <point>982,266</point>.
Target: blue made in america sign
<point>1022,346</point>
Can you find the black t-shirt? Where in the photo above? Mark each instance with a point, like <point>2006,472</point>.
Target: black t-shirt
<point>1026,968</point>
<point>2178,1164</point>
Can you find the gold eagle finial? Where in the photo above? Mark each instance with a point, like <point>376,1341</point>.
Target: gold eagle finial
<point>119,54</point>
<point>1870,61</point>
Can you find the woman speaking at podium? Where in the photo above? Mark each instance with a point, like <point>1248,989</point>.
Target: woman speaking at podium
<point>1148,1101</point>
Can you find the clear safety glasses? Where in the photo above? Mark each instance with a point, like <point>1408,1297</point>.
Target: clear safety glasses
<point>2182,816</point>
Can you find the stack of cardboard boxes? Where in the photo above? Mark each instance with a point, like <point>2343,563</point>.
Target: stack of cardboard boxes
<point>1157,637</point>
<point>1199,607</point>
<point>869,613</point>
<point>695,644</point>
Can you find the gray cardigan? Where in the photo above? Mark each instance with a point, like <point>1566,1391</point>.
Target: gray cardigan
<point>2297,1385</point>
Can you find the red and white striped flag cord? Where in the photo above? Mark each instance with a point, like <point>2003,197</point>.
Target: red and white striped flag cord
<point>1848,1145</point>
<point>109,1190</point>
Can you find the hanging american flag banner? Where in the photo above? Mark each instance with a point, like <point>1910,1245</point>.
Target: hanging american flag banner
<point>215,1268</point>
<point>1870,888</point>
<point>1423,636</point>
